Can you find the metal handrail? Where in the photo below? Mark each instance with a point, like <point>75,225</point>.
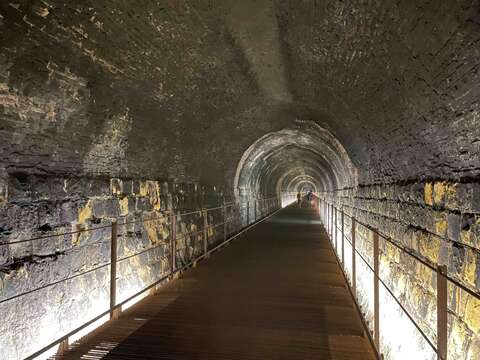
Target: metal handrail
<point>55,235</point>
<point>391,293</point>
<point>259,216</point>
<point>442,276</point>
<point>417,257</point>
<point>13,297</point>
<point>43,237</point>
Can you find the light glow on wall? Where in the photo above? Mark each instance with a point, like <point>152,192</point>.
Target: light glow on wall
<point>399,338</point>
<point>288,198</point>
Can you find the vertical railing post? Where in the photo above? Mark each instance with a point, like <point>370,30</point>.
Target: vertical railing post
<point>331,222</point>
<point>113,268</point>
<point>324,212</point>
<point>336,230</point>
<point>354,260</point>
<point>376,295</point>
<point>343,237</point>
<point>173,243</point>
<point>327,206</point>
<point>255,210</point>
<point>248,212</point>
<point>225,221</point>
<point>442,314</point>
<point>205,231</point>
<point>329,219</point>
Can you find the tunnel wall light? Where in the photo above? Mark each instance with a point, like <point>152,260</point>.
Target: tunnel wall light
<point>365,256</point>
<point>71,307</point>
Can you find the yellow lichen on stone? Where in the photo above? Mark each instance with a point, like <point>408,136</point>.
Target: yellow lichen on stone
<point>393,253</point>
<point>439,190</point>
<point>116,186</point>
<point>459,298</point>
<point>470,267</point>
<point>456,339</point>
<point>123,206</point>
<point>85,213</point>
<point>424,275</point>
<point>451,193</point>
<point>417,292</point>
<point>151,190</point>
<point>151,228</point>
<point>441,227</point>
<point>428,193</point>
<point>157,204</point>
<point>466,237</point>
<point>155,229</point>
<point>143,188</point>
<point>429,247</point>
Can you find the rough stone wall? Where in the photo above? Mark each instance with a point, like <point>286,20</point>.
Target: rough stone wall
<point>397,81</point>
<point>33,206</point>
<point>438,220</point>
<point>178,90</point>
<point>148,89</point>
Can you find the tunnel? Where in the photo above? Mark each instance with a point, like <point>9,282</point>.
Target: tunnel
<point>139,139</point>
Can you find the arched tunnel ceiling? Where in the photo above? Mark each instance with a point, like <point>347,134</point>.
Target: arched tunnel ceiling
<point>279,161</point>
<point>180,89</point>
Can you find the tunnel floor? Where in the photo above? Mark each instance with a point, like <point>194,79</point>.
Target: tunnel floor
<point>275,293</point>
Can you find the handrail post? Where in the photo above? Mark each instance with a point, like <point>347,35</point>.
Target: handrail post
<point>331,222</point>
<point>325,212</point>
<point>327,219</point>
<point>376,294</point>
<point>205,231</point>
<point>248,212</point>
<point>343,238</point>
<point>327,207</point>
<point>354,260</point>
<point>63,347</point>
<point>336,230</point>
<point>442,314</point>
<point>113,268</point>
<point>173,243</point>
<point>225,219</point>
<point>255,210</point>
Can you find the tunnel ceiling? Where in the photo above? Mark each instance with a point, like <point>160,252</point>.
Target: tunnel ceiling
<point>287,159</point>
<point>182,89</point>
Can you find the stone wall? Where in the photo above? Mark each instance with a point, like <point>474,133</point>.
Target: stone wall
<point>437,220</point>
<point>33,206</point>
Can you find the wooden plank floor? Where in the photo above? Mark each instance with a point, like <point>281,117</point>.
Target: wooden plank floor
<point>275,293</point>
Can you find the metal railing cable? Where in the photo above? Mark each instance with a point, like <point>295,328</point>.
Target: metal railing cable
<point>55,235</point>
<point>392,294</point>
<point>233,214</point>
<point>329,214</point>
<point>55,283</point>
<point>418,257</point>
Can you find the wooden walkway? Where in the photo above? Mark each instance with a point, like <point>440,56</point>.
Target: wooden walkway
<point>275,293</point>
